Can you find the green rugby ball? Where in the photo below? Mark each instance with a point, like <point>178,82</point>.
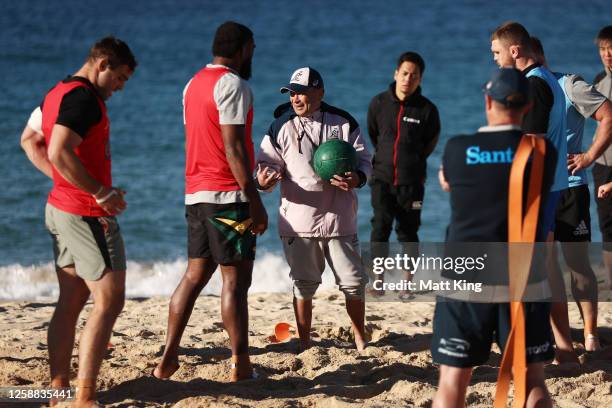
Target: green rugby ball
<point>334,157</point>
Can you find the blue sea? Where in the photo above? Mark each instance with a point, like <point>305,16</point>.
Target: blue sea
<point>354,44</point>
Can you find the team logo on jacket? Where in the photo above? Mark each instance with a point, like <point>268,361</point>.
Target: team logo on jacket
<point>411,120</point>
<point>335,132</point>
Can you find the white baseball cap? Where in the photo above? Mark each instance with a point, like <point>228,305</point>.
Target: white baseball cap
<point>303,79</point>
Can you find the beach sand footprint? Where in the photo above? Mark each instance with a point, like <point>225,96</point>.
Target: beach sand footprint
<point>341,333</point>
<point>315,358</point>
<point>394,370</point>
<point>216,327</point>
<point>145,334</point>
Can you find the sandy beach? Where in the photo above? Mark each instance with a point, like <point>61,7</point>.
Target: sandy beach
<point>395,370</point>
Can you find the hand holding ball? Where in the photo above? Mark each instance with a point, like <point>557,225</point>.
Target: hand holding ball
<point>334,157</point>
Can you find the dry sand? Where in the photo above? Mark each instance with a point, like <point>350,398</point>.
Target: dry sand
<point>395,370</point>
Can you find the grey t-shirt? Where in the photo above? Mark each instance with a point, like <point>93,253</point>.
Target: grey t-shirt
<point>585,101</point>
<point>603,83</point>
<point>584,97</point>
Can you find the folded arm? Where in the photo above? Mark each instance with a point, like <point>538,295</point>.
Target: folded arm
<point>62,156</point>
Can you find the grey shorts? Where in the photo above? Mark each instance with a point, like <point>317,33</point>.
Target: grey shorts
<point>91,244</point>
<point>307,256</point>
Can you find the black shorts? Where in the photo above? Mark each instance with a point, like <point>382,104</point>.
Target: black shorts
<point>602,175</point>
<point>220,231</point>
<point>573,217</point>
<point>463,332</point>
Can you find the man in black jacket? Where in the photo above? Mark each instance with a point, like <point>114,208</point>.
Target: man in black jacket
<point>404,127</point>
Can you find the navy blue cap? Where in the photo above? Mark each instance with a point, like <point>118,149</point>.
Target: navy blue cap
<point>509,87</point>
<point>303,79</point>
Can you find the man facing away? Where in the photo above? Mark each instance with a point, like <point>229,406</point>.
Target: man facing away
<point>223,209</point>
<point>573,218</point>
<point>464,331</point>
<point>67,139</point>
<point>511,46</point>
<point>404,127</point>
<point>317,218</point>
<point>602,170</point>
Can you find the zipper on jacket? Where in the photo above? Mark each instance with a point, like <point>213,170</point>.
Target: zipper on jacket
<point>397,138</point>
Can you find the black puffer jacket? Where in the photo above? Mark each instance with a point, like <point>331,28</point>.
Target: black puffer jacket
<point>403,135</point>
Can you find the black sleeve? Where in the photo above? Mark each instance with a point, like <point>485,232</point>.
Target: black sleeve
<point>432,132</point>
<point>372,123</point>
<point>79,111</point>
<point>536,120</point>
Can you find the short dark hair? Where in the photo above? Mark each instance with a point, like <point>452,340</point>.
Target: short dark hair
<point>536,46</point>
<point>411,56</point>
<point>117,52</point>
<point>605,34</point>
<point>512,33</point>
<point>230,37</point>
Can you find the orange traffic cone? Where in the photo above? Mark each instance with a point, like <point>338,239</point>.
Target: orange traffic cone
<point>284,332</point>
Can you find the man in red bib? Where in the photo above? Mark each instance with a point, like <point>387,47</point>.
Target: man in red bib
<point>223,209</point>
<point>67,139</point>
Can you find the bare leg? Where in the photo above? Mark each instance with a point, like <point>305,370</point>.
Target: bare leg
<point>537,394</point>
<point>559,318</point>
<point>199,271</point>
<point>452,387</point>
<point>584,289</point>
<point>607,259</point>
<point>303,318</point>
<point>564,351</point>
<point>109,295</point>
<point>60,335</point>
<point>356,311</point>
<point>370,290</point>
<point>235,314</point>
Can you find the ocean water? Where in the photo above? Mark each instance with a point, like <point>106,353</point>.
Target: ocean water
<point>354,44</point>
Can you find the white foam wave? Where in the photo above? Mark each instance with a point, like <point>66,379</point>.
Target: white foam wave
<point>145,279</point>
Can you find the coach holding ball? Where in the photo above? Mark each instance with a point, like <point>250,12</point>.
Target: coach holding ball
<point>317,216</point>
